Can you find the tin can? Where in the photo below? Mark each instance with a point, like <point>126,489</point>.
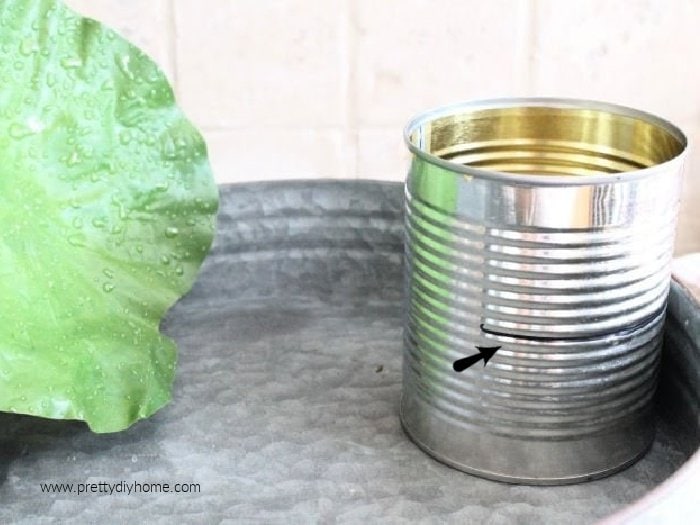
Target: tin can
<point>539,236</point>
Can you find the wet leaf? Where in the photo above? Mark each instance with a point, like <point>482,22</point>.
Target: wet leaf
<point>107,209</point>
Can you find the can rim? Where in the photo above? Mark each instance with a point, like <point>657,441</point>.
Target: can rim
<point>545,102</point>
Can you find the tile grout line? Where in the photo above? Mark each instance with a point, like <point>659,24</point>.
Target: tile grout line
<point>273,127</point>
<point>531,45</point>
<point>351,131</point>
<point>171,35</point>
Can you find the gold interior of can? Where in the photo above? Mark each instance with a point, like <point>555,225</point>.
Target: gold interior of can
<point>548,140</point>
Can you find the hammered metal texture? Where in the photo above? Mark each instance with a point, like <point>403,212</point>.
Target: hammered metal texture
<point>287,394</point>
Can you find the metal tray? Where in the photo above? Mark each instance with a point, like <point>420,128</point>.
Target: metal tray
<point>287,394</point>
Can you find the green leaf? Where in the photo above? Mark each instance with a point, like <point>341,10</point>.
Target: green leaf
<point>107,209</point>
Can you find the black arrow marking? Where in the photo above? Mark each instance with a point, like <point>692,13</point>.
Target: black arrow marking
<point>545,338</point>
<point>485,353</point>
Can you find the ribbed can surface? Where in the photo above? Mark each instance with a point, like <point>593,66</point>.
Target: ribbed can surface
<point>544,228</point>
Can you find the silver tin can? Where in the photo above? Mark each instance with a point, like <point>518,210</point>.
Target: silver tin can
<point>539,234</point>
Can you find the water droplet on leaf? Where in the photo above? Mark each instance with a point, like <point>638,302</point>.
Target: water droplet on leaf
<point>71,62</point>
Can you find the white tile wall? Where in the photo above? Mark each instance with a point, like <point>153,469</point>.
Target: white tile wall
<point>412,55</point>
<point>145,23</point>
<point>688,238</point>
<point>276,64</point>
<point>686,269</point>
<point>323,88</point>
<point>268,154</point>
<point>381,154</point>
<point>636,52</point>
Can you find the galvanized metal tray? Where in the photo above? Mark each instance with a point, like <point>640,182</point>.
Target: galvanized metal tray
<point>287,394</point>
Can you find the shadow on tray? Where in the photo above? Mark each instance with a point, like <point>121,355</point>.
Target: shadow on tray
<point>25,436</point>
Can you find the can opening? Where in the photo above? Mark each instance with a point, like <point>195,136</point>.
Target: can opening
<point>548,140</point>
